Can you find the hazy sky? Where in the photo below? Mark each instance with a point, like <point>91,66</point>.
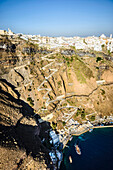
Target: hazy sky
<point>57,17</point>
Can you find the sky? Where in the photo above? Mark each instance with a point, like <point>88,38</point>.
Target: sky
<point>57,17</point>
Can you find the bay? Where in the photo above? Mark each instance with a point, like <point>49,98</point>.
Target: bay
<point>96,151</point>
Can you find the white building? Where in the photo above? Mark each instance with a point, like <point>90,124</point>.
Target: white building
<point>97,47</point>
<point>60,40</point>
<point>55,137</point>
<point>102,36</point>
<point>3,32</point>
<point>3,46</point>
<point>80,45</point>
<point>53,157</point>
<point>59,155</point>
<point>110,36</point>
<point>100,82</point>
<point>110,45</point>
<point>43,40</point>
<point>10,32</point>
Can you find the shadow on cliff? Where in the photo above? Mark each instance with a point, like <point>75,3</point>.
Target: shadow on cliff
<point>8,100</point>
<point>34,140</point>
<point>27,138</point>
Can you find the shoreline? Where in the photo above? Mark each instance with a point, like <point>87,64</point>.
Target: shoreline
<point>92,145</point>
<point>94,127</point>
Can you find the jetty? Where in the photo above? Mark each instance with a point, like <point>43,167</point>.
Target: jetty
<point>105,126</point>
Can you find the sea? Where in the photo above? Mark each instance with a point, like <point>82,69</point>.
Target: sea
<point>96,151</point>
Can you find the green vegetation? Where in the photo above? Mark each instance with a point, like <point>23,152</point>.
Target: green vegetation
<point>26,67</point>
<point>31,101</point>
<point>42,73</point>
<point>84,41</point>
<point>102,45</point>
<point>81,112</point>
<point>83,115</point>
<point>71,102</point>
<point>109,52</point>
<point>59,84</point>
<point>54,125</point>
<point>41,62</point>
<point>98,59</point>
<point>64,104</point>
<point>102,91</point>
<point>73,47</point>
<point>78,111</point>
<point>64,123</point>
<point>32,62</point>
<point>51,97</point>
<point>31,71</point>
<point>36,46</point>
<point>81,70</point>
<point>68,60</point>
<point>52,57</point>
<point>92,118</point>
<point>45,85</point>
<point>80,77</point>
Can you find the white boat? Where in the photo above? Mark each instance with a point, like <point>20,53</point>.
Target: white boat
<point>90,130</point>
<point>78,151</point>
<point>70,159</point>
<point>71,138</point>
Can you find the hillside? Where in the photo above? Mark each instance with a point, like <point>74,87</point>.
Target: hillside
<point>37,83</point>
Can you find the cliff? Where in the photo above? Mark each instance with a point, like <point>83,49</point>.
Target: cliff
<point>38,83</point>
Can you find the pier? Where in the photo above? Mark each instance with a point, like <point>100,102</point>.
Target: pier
<point>107,126</point>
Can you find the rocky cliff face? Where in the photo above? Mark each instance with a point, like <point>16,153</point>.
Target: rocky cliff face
<point>20,132</point>
<point>37,83</point>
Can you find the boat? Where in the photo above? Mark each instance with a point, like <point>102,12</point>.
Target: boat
<point>70,159</point>
<point>67,146</point>
<point>78,151</point>
<point>90,130</point>
<point>71,138</point>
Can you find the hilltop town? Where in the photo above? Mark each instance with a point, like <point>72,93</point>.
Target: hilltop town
<point>51,88</point>
<point>92,43</point>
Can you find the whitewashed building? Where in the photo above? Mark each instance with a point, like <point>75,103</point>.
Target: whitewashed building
<point>97,47</point>
<point>110,45</point>
<point>54,137</point>
<point>53,157</point>
<point>102,36</point>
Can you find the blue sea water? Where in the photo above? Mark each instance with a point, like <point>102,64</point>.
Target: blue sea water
<point>96,151</point>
